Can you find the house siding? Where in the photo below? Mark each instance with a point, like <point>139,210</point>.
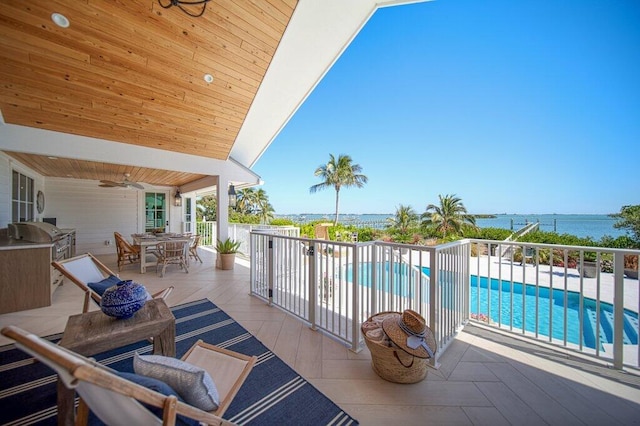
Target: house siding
<point>94,212</point>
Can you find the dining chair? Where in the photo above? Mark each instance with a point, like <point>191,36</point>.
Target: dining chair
<point>172,252</point>
<point>87,271</point>
<point>101,389</point>
<point>193,248</point>
<point>126,251</point>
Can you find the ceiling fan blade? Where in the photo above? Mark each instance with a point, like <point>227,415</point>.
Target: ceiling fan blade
<point>111,183</point>
<point>134,184</point>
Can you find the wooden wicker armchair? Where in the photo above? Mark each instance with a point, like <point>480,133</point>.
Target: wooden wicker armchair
<point>193,248</point>
<point>126,251</point>
<point>172,252</point>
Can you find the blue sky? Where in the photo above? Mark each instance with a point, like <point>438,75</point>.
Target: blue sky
<point>514,106</point>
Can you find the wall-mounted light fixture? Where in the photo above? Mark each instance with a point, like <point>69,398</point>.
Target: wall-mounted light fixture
<point>177,199</point>
<point>232,196</point>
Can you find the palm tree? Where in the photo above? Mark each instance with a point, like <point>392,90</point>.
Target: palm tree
<point>449,216</point>
<point>246,200</point>
<point>255,202</point>
<point>338,173</point>
<point>262,207</point>
<point>404,219</point>
<point>266,213</point>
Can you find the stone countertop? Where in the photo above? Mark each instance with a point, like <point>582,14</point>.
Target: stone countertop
<point>13,244</point>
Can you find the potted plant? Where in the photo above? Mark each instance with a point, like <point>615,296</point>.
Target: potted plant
<point>227,250</point>
<point>590,268</point>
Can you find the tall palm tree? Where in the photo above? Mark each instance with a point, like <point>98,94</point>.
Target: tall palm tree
<point>449,216</point>
<point>255,202</point>
<point>338,173</point>
<point>266,213</point>
<point>262,207</point>
<point>246,200</point>
<point>404,219</point>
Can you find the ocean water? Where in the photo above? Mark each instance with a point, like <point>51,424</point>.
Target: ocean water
<point>594,226</point>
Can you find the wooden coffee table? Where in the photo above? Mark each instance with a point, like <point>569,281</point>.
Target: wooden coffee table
<point>94,332</point>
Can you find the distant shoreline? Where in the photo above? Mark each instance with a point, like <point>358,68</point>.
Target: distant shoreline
<point>593,226</point>
<point>483,215</point>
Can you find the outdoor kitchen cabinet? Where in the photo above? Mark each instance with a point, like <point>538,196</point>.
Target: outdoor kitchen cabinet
<point>26,277</point>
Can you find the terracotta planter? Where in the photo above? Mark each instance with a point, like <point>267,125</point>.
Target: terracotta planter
<point>227,261</point>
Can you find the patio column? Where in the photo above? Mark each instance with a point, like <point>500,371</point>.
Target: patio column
<point>222,213</point>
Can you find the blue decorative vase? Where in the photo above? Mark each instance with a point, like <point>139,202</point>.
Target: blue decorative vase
<point>123,299</point>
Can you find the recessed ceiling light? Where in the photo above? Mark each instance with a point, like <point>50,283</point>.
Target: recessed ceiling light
<point>52,158</point>
<point>60,20</point>
<point>208,78</point>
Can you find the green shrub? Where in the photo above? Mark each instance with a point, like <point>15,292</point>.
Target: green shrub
<point>497,234</point>
<point>282,222</point>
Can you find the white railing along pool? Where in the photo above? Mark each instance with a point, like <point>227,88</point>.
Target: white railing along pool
<point>335,286</point>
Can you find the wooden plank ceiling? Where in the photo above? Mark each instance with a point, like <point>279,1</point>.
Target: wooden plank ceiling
<point>132,71</point>
<point>80,169</point>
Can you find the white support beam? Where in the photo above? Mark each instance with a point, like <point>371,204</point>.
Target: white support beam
<point>44,142</point>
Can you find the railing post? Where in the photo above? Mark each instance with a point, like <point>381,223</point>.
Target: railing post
<point>271,265</point>
<point>313,285</point>
<point>355,320</point>
<point>252,265</point>
<point>618,310</point>
<point>433,303</point>
<point>373,272</point>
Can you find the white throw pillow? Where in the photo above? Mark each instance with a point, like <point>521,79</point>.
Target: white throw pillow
<point>193,384</point>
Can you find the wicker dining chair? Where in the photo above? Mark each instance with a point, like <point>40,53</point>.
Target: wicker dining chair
<point>193,248</point>
<point>126,251</point>
<point>172,252</point>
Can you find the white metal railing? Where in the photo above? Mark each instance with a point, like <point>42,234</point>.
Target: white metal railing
<point>335,286</point>
<point>554,294</point>
<point>536,291</point>
<point>240,232</point>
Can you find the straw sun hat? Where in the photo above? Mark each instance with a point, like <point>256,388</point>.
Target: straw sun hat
<point>410,333</point>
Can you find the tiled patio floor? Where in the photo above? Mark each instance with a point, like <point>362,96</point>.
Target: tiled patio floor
<point>484,378</point>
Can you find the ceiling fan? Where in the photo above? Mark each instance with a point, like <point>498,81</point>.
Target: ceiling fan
<point>126,183</point>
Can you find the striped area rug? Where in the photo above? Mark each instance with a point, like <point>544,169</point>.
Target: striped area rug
<point>273,394</point>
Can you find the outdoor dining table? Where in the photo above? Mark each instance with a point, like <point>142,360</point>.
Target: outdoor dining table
<point>147,241</point>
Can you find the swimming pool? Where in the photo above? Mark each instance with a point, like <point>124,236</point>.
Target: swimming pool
<point>550,307</point>
<point>524,312</point>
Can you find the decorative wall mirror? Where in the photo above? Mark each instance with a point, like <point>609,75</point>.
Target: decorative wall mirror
<point>40,202</point>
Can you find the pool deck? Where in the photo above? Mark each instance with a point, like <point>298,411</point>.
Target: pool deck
<point>486,377</point>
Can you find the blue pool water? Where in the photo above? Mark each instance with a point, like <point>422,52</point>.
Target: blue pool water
<point>550,308</point>
<point>524,312</point>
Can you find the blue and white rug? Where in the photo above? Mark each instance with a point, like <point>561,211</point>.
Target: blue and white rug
<point>273,394</point>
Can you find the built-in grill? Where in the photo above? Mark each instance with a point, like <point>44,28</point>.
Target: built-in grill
<point>42,232</point>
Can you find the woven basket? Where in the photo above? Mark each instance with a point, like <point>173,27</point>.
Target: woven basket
<point>393,363</point>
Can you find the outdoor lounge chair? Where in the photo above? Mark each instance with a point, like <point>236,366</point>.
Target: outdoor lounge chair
<point>85,269</point>
<point>101,389</point>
